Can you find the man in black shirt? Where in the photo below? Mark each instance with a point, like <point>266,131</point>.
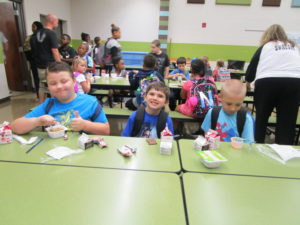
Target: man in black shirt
<point>45,50</point>
<point>162,59</point>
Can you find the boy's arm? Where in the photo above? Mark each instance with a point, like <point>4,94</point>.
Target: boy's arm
<point>24,125</point>
<point>207,121</point>
<point>100,128</point>
<point>129,126</point>
<point>248,132</point>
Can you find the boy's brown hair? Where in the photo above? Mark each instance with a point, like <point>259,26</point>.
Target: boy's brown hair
<point>159,86</point>
<point>56,67</point>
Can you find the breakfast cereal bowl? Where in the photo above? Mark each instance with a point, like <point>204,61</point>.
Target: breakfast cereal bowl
<point>56,131</point>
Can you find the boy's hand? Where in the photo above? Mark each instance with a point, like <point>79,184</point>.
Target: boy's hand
<point>77,122</point>
<point>46,120</point>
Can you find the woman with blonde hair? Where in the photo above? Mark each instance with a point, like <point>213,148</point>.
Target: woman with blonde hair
<point>275,69</point>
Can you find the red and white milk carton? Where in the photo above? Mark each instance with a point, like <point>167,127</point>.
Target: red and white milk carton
<point>166,141</point>
<point>5,133</point>
<point>213,139</point>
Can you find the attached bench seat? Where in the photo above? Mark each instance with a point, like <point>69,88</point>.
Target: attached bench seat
<point>125,113</point>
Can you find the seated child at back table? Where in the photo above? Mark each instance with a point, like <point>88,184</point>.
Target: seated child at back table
<point>136,80</point>
<point>149,121</point>
<point>189,90</point>
<point>221,73</point>
<point>232,95</point>
<point>78,112</point>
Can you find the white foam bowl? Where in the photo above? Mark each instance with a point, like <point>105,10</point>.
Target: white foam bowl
<point>56,134</point>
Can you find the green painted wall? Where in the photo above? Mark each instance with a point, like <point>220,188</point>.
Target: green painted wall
<point>234,2</point>
<point>175,50</point>
<point>1,54</point>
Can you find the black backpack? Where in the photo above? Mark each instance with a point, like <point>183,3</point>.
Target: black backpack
<point>240,118</point>
<point>94,117</point>
<point>139,119</point>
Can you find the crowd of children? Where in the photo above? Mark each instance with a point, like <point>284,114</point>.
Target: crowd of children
<point>71,106</point>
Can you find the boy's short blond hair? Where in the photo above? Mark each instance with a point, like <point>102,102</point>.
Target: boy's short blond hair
<point>159,86</point>
<point>234,87</point>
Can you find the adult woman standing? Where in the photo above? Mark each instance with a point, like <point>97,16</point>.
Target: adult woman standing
<point>112,47</point>
<point>275,68</point>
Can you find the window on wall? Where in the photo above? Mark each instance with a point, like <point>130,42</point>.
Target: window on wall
<point>234,2</point>
<point>196,1</point>
<point>271,2</point>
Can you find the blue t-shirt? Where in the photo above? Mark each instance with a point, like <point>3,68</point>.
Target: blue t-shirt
<point>148,128</point>
<point>227,126</point>
<point>186,73</point>
<point>64,112</point>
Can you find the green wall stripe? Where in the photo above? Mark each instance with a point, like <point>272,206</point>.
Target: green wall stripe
<point>214,52</point>
<point>164,3</point>
<point>163,23</point>
<point>234,2</point>
<point>176,50</point>
<point>1,54</point>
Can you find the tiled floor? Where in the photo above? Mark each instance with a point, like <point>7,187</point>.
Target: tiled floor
<point>17,106</point>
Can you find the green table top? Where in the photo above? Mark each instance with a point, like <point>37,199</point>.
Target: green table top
<point>247,161</point>
<point>110,82</point>
<point>50,195</point>
<point>228,200</point>
<point>147,157</point>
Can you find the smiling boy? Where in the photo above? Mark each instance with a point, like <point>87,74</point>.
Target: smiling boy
<point>78,112</point>
<point>231,120</point>
<point>149,121</point>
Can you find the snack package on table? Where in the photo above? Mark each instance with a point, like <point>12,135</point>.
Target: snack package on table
<point>213,139</point>
<point>5,133</point>
<point>127,150</point>
<point>166,142</point>
<point>99,141</point>
<point>85,142</point>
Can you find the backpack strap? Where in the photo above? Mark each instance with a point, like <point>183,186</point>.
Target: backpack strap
<point>49,106</point>
<point>138,120</point>
<point>96,113</point>
<point>214,116</point>
<point>161,122</point>
<point>240,120</point>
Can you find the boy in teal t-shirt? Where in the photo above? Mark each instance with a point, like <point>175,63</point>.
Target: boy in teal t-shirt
<point>232,95</point>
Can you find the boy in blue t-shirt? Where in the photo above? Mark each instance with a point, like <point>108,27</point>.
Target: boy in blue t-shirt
<point>152,120</point>
<point>232,95</point>
<point>180,71</point>
<point>78,112</point>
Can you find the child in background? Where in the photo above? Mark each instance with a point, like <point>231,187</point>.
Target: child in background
<point>78,112</point>
<point>180,71</point>
<point>220,73</point>
<point>97,51</point>
<point>86,39</point>
<point>151,119</point>
<point>119,66</point>
<point>162,59</point>
<point>83,83</point>
<point>208,71</point>
<point>197,78</point>
<point>67,52</point>
<point>82,51</point>
<point>226,119</point>
<point>136,80</point>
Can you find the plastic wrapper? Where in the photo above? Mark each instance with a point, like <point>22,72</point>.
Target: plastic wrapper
<point>127,150</point>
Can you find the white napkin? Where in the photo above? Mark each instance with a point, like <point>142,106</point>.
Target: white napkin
<point>23,140</point>
<point>61,152</point>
